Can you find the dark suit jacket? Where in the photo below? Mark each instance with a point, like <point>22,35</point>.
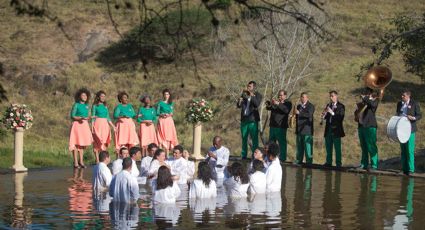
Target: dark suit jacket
<point>335,122</point>
<point>254,105</point>
<point>279,114</point>
<point>413,110</point>
<point>369,117</point>
<point>305,120</point>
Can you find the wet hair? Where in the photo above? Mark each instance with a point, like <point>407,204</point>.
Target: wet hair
<point>120,95</point>
<point>103,155</point>
<point>204,173</point>
<point>122,149</point>
<point>126,163</point>
<point>134,151</point>
<point>152,145</point>
<point>157,153</point>
<point>273,150</point>
<point>97,97</point>
<point>164,179</point>
<point>170,99</point>
<point>257,165</point>
<point>333,92</point>
<point>252,82</point>
<point>179,147</point>
<point>78,95</point>
<point>239,173</point>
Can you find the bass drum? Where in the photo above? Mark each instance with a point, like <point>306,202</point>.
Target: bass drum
<point>399,129</point>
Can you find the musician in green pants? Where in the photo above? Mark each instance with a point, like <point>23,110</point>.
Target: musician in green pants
<point>304,130</point>
<point>409,108</point>
<point>334,115</point>
<point>367,131</point>
<point>249,103</point>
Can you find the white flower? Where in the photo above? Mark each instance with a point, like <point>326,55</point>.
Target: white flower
<point>11,114</point>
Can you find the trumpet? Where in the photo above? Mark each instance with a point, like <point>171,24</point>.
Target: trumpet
<point>293,117</point>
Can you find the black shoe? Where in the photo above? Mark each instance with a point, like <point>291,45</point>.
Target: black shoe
<point>327,165</point>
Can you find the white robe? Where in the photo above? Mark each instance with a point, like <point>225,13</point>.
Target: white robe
<point>168,212</point>
<point>180,168</point>
<point>101,177</point>
<point>235,188</point>
<point>167,195</point>
<point>274,176</point>
<point>134,170</point>
<point>153,168</point>
<point>144,166</point>
<point>124,187</point>
<point>190,169</point>
<point>124,215</point>
<point>198,189</point>
<point>116,166</point>
<point>199,206</point>
<point>257,183</point>
<point>222,155</point>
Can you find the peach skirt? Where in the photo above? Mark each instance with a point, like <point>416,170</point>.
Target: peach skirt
<point>125,133</point>
<point>80,135</point>
<point>167,135</point>
<point>147,134</point>
<point>101,134</point>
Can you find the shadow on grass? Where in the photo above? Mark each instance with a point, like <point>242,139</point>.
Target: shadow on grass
<point>393,91</point>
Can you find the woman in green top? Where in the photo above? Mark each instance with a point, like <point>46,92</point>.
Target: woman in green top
<point>147,117</point>
<point>80,136</point>
<point>101,123</point>
<point>125,131</point>
<point>167,135</point>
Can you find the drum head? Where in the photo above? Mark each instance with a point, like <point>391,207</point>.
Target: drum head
<point>404,129</point>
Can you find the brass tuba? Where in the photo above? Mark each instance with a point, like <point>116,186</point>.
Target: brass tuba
<point>378,77</point>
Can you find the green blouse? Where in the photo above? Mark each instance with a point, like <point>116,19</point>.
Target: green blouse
<point>124,111</point>
<point>164,107</point>
<point>80,110</point>
<point>100,111</point>
<point>149,114</point>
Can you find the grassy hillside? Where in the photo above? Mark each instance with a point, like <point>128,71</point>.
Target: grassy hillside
<point>43,68</point>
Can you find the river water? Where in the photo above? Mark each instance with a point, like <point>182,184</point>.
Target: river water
<point>310,199</point>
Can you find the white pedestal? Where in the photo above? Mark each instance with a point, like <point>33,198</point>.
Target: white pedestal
<point>19,151</point>
<point>197,137</point>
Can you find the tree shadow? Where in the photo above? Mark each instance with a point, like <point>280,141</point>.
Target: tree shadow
<point>163,39</point>
<point>394,90</point>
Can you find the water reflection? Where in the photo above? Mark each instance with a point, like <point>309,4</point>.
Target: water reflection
<point>80,199</point>
<point>405,213</point>
<point>302,200</point>
<point>331,201</point>
<point>124,215</point>
<point>21,216</point>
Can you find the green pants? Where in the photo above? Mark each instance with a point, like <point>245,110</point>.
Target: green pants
<point>331,141</point>
<point>367,137</point>
<point>279,135</point>
<point>408,155</point>
<point>249,128</point>
<point>304,145</point>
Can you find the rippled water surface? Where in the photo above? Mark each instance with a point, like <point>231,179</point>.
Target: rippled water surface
<point>310,199</point>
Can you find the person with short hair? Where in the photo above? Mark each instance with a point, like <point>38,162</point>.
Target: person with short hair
<point>101,174</point>
<point>125,134</point>
<point>304,129</point>
<point>124,187</point>
<point>274,171</point>
<point>334,130</point>
<point>178,164</point>
<point>409,108</point>
<point>117,164</point>
<point>80,136</point>
<point>204,186</point>
<point>147,118</point>
<point>257,180</point>
<point>146,161</point>
<point>134,152</point>
<point>166,190</point>
<point>280,110</point>
<point>249,103</point>
<point>238,183</point>
<point>218,157</point>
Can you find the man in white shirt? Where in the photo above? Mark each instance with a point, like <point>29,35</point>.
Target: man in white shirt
<point>124,187</point>
<point>274,171</point>
<point>218,157</point>
<point>146,161</point>
<point>134,152</point>
<point>117,164</point>
<point>101,174</point>
<point>178,164</point>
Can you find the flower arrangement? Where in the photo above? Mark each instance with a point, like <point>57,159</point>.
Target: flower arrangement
<point>16,116</point>
<point>199,110</point>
